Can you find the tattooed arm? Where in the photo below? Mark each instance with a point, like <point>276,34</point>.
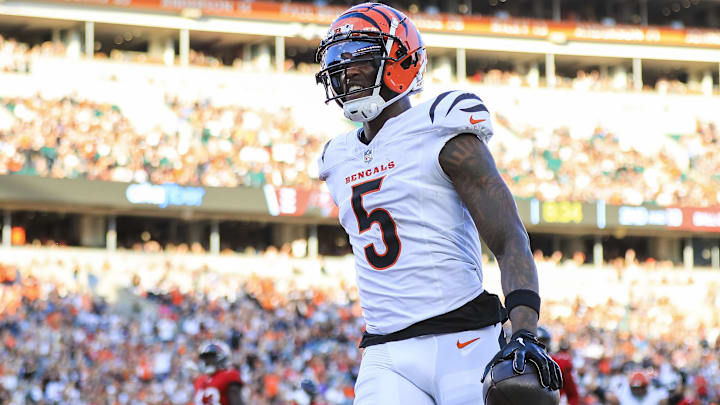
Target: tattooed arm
<point>470,166</point>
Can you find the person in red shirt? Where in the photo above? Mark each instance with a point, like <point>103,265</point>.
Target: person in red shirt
<point>218,385</point>
<point>564,360</point>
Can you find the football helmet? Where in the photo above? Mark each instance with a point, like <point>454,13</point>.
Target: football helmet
<point>638,384</point>
<point>377,35</point>
<point>505,386</point>
<point>214,356</point>
<point>544,336</point>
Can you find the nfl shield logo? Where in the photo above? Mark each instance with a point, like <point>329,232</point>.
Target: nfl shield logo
<point>368,155</point>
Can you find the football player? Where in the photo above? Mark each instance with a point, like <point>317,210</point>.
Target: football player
<point>414,186</point>
<point>637,391</point>
<point>564,359</point>
<point>218,384</point>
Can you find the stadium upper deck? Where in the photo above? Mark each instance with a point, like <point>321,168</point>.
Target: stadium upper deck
<point>690,13</point>
<point>282,35</point>
<point>512,55</point>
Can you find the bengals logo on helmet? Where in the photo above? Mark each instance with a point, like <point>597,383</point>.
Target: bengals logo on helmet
<point>341,30</point>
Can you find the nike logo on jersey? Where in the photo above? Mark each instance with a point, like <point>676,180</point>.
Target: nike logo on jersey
<point>521,341</point>
<point>474,121</point>
<point>461,345</point>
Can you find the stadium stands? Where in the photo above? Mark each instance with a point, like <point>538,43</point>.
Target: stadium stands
<point>195,136</point>
<point>122,325</point>
<point>212,146</point>
<point>85,325</point>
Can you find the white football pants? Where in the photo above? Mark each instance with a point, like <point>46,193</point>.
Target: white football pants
<point>427,370</point>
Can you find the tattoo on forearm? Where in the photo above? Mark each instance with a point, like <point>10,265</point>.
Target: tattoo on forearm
<point>469,164</point>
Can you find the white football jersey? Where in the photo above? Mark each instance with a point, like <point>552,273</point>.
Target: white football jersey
<point>653,396</point>
<point>417,251</point>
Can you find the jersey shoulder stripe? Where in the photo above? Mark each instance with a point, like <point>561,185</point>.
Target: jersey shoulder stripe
<point>460,111</point>
<point>468,96</point>
<point>322,157</point>
<point>457,96</point>
<point>435,103</point>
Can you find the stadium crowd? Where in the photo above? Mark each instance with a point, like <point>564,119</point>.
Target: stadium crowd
<point>65,345</point>
<point>228,146</point>
<point>583,80</point>
<point>214,146</point>
<point>16,56</point>
<point>562,168</point>
<point>63,342</point>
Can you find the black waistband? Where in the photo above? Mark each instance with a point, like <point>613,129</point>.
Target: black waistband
<point>483,310</point>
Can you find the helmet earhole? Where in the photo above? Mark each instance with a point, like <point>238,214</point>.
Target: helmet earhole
<point>388,73</point>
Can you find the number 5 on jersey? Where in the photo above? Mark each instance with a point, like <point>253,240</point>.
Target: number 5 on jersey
<point>388,228</point>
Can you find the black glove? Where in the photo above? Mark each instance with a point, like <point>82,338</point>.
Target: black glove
<point>525,347</point>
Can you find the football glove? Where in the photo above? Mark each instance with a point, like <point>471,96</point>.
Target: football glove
<point>525,347</point>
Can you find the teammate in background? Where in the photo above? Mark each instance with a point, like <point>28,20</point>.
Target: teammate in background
<point>414,186</point>
<point>219,385</point>
<point>637,391</point>
<point>564,359</point>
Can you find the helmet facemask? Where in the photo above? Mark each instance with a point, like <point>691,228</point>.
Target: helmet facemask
<point>344,55</point>
<point>345,49</point>
<point>213,357</point>
<point>208,363</point>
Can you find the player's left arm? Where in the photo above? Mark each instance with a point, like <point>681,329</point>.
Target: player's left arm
<point>234,394</point>
<point>470,166</point>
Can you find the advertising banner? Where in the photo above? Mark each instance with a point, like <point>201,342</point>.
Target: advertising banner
<point>445,23</point>
<point>79,193</point>
<point>646,217</point>
<point>290,201</point>
<point>701,219</point>
<point>665,218</point>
